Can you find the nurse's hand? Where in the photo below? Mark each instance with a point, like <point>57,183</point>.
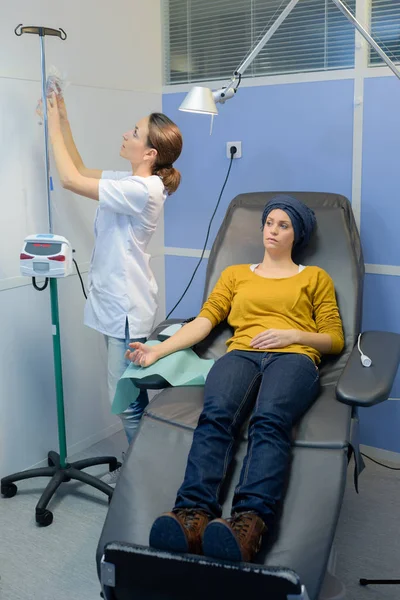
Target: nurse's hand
<point>62,109</point>
<point>142,355</point>
<point>53,116</point>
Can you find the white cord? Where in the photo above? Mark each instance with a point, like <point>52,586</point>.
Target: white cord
<point>365,360</point>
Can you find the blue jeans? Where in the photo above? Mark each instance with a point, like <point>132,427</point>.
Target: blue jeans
<point>288,385</point>
<point>117,364</point>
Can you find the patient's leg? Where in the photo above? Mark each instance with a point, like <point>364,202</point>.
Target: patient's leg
<point>228,391</point>
<point>289,385</point>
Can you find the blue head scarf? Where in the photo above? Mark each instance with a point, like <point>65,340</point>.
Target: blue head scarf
<point>302,218</point>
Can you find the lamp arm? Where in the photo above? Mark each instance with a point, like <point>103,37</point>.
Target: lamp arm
<point>367,36</point>
<point>267,36</point>
<point>223,94</point>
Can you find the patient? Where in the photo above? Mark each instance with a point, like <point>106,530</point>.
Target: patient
<point>284,317</point>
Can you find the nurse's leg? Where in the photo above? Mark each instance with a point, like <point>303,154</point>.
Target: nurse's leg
<point>117,364</point>
<point>130,418</point>
<point>132,415</point>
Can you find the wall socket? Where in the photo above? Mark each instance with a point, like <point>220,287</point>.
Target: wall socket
<point>238,147</point>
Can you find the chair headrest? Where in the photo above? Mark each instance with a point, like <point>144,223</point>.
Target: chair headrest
<point>335,247</point>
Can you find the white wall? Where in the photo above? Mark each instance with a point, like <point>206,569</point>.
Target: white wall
<point>112,59</point>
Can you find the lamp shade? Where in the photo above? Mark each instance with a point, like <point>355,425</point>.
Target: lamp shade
<point>199,100</point>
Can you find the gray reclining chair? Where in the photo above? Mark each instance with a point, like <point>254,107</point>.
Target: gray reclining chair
<point>324,440</point>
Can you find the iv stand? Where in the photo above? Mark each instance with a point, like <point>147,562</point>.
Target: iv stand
<point>59,470</point>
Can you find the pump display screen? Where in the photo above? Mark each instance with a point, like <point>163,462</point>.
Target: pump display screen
<point>43,248</point>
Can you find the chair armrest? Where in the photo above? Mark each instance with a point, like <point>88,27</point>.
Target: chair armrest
<point>366,386</point>
<point>152,382</point>
<point>163,325</point>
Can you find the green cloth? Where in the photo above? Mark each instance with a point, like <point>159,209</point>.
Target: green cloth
<point>180,368</point>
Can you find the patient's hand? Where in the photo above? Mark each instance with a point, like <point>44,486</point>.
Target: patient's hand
<point>274,338</point>
<point>142,355</point>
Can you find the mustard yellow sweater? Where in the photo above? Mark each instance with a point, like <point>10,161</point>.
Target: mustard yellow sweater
<point>252,304</point>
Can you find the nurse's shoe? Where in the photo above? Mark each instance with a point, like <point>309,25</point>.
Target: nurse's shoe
<point>111,477</point>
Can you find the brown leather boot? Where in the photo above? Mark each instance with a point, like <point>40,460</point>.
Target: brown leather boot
<point>180,530</point>
<point>237,539</point>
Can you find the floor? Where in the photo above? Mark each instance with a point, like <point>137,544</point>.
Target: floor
<point>58,562</point>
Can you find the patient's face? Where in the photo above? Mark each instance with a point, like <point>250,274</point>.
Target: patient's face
<point>278,232</point>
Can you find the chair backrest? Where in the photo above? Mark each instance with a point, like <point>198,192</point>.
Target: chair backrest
<point>335,247</point>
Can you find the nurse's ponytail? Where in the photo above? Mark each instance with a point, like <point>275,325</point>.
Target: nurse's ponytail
<point>171,178</point>
<point>166,138</point>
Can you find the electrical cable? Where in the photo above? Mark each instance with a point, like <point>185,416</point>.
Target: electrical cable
<point>37,287</point>
<point>380,464</point>
<point>233,152</point>
<point>80,278</point>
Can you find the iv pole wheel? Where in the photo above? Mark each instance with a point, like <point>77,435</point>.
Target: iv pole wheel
<point>44,517</point>
<point>8,490</point>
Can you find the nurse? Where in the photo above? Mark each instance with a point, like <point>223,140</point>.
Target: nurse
<point>122,300</point>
